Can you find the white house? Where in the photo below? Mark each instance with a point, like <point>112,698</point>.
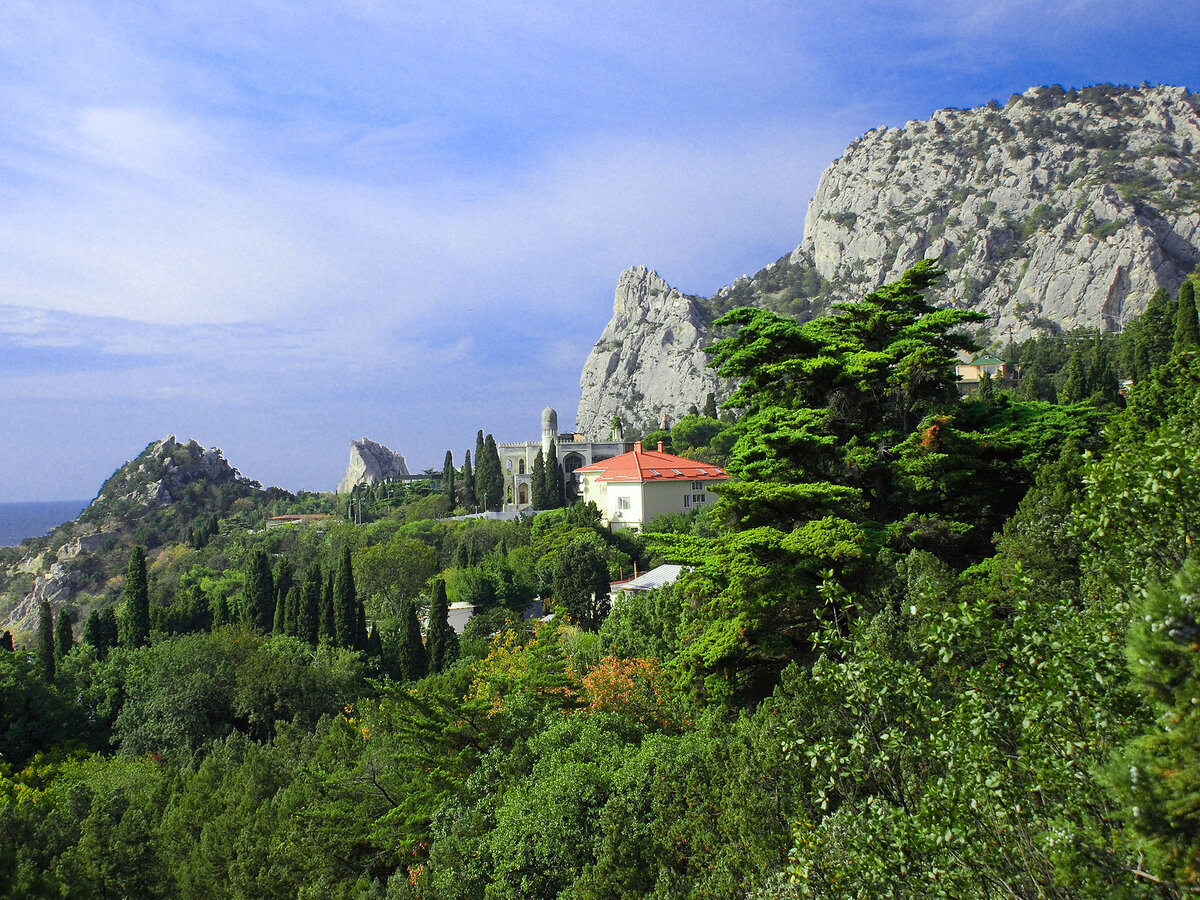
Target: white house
<point>633,488</point>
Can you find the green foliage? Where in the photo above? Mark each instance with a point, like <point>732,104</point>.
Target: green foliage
<point>345,602</point>
<point>412,659</point>
<point>1156,775</point>
<point>260,591</point>
<point>136,622</point>
<point>1187,327</point>
<point>442,642</point>
<point>581,584</point>
<point>45,641</point>
<point>64,637</point>
<point>100,630</point>
<point>539,499</point>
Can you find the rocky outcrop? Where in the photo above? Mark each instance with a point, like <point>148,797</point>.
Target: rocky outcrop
<point>371,463</point>
<point>1059,209</point>
<point>649,361</point>
<point>81,556</point>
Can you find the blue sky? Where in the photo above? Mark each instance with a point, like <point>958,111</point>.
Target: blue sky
<point>278,226</point>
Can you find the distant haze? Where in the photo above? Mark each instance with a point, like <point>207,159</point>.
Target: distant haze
<point>275,228</point>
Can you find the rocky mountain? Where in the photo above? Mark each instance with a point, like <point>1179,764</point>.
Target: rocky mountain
<point>151,499</point>
<point>371,463</point>
<point>1056,210</point>
<point>650,359</point>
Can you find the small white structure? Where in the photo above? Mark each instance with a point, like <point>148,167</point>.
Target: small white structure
<point>633,488</point>
<point>660,576</point>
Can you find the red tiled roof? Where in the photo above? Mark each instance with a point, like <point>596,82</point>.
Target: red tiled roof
<point>652,465</point>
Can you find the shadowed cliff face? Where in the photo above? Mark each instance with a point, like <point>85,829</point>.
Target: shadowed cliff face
<point>1058,210</point>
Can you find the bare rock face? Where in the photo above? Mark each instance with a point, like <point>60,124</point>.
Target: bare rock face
<point>649,361</point>
<point>371,463</point>
<point>1061,209</point>
<point>1058,210</point>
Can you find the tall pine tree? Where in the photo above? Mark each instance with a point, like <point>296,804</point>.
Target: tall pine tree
<point>479,473</point>
<point>539,481</point>
<point>64,637</point>
<point>1187,327</point>
<point>553,487</point>
<point>442,643</point>
<point>328,619</point>
<point>1075,389</point>
<point>308,619</point>
<point>6,641</point>
<point>468,482</point>
<point>283,586</point>
<point>412,663</point>
<point>260,591</point>
<point>137,602</point>
<point>345,604</point>
<point>448,476</point>
<point>45,644</point>
<point>489,477</point>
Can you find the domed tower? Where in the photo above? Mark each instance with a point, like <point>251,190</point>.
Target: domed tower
<point>549,430</point>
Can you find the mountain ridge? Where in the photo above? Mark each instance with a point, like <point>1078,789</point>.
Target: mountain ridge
<point>1059,209</point>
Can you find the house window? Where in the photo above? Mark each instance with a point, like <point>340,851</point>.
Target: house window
<point>521,466</point>
<point>697,485</point>
<point>622,503</point>
<point>698,498</point>
<point>687,501</point>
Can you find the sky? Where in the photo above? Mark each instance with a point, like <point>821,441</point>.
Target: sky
<point>276,227</point>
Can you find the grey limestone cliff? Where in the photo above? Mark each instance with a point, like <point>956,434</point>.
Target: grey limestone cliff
<point>371,463</point>
<point>649,361</point>
<point>1059,209</point>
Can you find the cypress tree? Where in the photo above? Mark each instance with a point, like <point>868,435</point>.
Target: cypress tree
<point>554,479</point>
<point>260,591</point>
<point>375,648</point>
<point>479,473</point>
<point>64,637</point>
<point>448,476</point>
<point>6,642</point>
<point>442,642</point>
<point>291,605</point>
<point>986,393</point>
<point>308,617</point>
<point>284,582</point>
<point>489,477</point>
<point>345,603</point>
<point>539,481</point>
<point>1187,327</point>
<point>220,612</point>
<point>328,629</point>
<point>137,601</point>
<point>710,406</point>
<point>468,482</point>
<point>360,629</point>
<point>412,663</point>
<point>1105,386</point>
<point>1075,388</point>
<point>45,644</point>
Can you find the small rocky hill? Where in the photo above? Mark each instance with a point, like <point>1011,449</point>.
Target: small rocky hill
<point>169,488</point>
<point>371,463</point>
<point>1055,210</point>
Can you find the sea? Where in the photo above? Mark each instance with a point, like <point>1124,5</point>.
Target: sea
<point>19,521</point>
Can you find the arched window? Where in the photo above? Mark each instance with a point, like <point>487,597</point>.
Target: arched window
<point>509,465</point>
<point>523,493</point>
<point>521,466</point>
<point>510,493</point>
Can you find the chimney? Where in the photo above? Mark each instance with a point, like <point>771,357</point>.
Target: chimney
<point>660,447</point>
<point>637,446</point>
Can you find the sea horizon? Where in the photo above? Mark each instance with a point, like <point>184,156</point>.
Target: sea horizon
<point>26,519</point>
